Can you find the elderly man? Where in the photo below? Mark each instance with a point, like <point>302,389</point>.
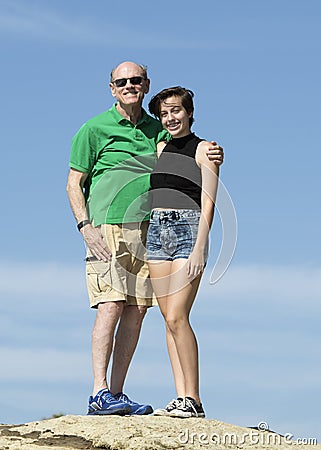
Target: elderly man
<point>111,159</point>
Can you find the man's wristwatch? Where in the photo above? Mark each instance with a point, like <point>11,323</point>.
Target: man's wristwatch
<point>83,223</point>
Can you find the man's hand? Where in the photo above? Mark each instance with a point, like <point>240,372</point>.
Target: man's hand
<point>215,153</point>
<point>95,243</point>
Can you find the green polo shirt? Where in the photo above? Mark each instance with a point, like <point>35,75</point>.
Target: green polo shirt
<point>118,157</point>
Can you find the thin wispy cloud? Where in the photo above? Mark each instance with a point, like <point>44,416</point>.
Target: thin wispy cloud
<point>45,278</point>
<point>50,365</point>
<point>37,21</point>
<point>282,284</point>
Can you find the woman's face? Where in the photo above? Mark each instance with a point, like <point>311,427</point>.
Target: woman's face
<point>174,117</point>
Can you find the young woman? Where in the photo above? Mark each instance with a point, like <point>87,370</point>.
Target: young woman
<point>184,185</point>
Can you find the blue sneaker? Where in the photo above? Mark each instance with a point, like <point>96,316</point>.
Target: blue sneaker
<point>135,408</point>
<point>104,403</point>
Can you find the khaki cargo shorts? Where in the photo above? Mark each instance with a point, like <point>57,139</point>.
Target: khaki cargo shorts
<point>126,276</point>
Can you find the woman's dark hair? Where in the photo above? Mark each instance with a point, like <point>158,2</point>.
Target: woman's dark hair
<point>186,96</point>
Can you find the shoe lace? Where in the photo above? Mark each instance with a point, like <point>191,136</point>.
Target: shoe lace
<point>174,403</point>
<point>189,404</point>
<point>102,397</point>
<point>124,398</point>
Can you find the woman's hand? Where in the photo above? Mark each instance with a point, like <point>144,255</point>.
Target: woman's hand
<point>195,263</point>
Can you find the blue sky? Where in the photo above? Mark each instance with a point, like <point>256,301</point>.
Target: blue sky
<point>255,69</point>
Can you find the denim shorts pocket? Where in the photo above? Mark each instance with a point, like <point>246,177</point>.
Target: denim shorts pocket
<point>153,236</point>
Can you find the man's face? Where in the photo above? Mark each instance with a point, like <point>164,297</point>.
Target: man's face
<point>132,93</point>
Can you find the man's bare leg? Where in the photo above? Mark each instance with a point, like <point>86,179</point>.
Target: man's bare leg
<point>125,344</point>
<point>107,317</point>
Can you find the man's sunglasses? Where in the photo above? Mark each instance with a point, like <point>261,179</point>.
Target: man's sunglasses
<point>121,82</point>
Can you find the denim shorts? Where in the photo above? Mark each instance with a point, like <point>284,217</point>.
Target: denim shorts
<point>172,234</point>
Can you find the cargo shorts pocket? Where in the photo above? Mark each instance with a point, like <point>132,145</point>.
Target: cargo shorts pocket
<point>98,274</point>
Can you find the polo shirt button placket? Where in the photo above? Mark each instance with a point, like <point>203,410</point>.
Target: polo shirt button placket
<point>138,134</point>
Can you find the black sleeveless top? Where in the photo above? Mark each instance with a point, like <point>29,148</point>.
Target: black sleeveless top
<point>176,180</point>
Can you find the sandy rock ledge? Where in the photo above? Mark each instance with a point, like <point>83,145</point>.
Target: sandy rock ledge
<point>139,433</point>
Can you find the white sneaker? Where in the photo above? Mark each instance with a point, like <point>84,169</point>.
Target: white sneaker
<point>188,408</point>
<point>173,404</point>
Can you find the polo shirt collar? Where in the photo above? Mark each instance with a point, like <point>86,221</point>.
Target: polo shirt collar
<point>119,118</point>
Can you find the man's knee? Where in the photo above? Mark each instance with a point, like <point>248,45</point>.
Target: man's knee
<point>110,311</point>
<point>107,317</point>
<point>135,313</point>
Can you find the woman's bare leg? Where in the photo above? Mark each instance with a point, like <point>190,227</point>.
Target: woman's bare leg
<point>182,293</point>
<point>160,272</point>
<point>175,294</point>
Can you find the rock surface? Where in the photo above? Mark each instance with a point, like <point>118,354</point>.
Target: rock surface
<point>140,433</point>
